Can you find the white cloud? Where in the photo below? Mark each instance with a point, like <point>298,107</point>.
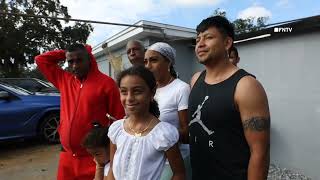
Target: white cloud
<point>283,3</point>
<point>191,3</point>
<point>117,11</point>
<point>254,11</point>
<point>125,11</point>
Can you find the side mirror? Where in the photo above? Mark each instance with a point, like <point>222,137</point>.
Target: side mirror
<point>4,95</point>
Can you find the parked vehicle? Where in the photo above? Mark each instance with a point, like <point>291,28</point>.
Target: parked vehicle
<point>32,84</point>
<point>25,114</point>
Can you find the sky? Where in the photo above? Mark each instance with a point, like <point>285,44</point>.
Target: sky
<point>186,13</point>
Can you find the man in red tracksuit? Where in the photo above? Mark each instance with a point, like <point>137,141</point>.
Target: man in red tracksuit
<point>86,96</point>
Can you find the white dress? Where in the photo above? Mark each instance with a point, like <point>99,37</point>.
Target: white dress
<point>141,158</point>
<point>106,169</point>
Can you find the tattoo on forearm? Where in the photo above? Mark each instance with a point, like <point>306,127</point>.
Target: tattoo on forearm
<point>257,124</point>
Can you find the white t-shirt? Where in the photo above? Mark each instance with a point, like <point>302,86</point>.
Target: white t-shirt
<point>141,158</point>
<point>171,99</point>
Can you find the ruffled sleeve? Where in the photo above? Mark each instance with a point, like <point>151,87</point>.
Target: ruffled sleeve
<point>164,136</point>
<point>114,130</point>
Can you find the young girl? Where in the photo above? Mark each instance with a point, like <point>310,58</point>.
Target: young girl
<point>141,143</point>
<point>97,144</point>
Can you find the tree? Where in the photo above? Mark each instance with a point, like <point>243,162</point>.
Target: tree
<point>219,12</point>
<point>22,38</point>
<point>244,25</point>
<point>33,73</point>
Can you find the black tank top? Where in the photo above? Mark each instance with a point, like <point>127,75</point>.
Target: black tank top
<point>218,146</point>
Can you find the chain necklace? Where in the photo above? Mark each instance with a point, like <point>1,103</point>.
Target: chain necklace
<point>139,133</point>
<point>170,80</point>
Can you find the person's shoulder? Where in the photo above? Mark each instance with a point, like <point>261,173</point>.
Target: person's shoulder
<point>165,129</point>
<point>164,136</point>
<point>105,77</point>
<point>249,88</point>
<point>117,122</point>
<point>179,84</point>
<point>162,129</point>
<point>194,78</point>
<point>248,82</point>
<point>116,125</point>
<point>115,130</point>
<point>106,81</point>
<point>164,124</point>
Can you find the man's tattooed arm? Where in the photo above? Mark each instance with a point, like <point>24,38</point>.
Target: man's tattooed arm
<point>257,124</point>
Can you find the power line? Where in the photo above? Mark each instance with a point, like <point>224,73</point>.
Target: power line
<point>82,20</point>
<point>77,20</point>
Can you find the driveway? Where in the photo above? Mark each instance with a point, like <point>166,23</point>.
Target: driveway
<point>28,160</point>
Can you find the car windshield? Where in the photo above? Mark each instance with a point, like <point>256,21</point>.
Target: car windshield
<point>30,84</point>
<point>45,83</point>
<point>16,89</point>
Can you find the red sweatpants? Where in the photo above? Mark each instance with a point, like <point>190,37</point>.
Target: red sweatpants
<point>75,168</point>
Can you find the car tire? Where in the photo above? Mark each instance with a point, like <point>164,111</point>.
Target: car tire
<point>49,128</point>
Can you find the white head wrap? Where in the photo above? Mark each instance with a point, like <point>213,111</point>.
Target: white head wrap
<point>165,50</point>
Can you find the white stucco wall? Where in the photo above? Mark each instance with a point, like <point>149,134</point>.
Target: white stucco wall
<point>288,68</point>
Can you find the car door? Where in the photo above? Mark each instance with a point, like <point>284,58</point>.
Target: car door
<point>14,116</point>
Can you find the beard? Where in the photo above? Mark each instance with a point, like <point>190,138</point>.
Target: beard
<point>211,58</point>
<point>204,59</point>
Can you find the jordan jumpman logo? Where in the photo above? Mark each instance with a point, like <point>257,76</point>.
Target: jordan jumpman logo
<point>197,117</point>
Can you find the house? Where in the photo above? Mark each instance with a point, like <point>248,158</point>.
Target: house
<point>179,37</point>
<point>285,59</point>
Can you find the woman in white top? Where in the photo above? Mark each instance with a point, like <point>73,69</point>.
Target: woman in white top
<point>172,96</point>
<point>140,144</point>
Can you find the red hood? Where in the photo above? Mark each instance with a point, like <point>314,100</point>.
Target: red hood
<point>93,61</point>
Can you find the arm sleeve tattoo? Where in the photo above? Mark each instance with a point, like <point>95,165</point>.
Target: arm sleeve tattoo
<point>257,124</point>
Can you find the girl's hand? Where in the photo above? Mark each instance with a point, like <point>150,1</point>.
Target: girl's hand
<point>98,165</point>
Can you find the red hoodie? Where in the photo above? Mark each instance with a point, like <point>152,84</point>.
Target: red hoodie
<point>81,102</point>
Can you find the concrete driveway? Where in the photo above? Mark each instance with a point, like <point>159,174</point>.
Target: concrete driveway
<point>28,160</point>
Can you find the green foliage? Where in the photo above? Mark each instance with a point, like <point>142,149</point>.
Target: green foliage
<point>244,25</point>
<point>22,38</point>
<point>33,73</point>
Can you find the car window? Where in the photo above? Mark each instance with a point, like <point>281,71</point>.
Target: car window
<point>31,85</point>
<point>47,84</point>
<point>28,84</point>
<point>14,89</point>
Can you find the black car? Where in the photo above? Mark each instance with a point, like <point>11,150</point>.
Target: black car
<point>34,85</point>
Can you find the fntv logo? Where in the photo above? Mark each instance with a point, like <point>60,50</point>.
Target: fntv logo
<point>282,29</point>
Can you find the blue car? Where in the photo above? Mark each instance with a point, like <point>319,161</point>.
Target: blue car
<point>24,114</point>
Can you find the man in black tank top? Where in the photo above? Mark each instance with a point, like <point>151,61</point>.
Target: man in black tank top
<point>228,110</point>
